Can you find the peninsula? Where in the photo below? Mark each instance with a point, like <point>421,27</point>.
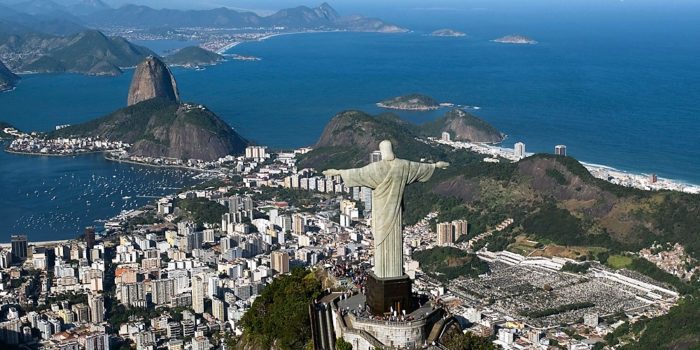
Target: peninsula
<point>412,102</point>
<point>447,32</point>
<point>462,126</point>
<point>515,39</point>
<point>155,126</point>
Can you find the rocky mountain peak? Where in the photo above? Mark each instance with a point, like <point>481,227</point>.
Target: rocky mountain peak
<point>152,79</point>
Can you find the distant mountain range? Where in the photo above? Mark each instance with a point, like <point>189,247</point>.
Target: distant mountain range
<point>87,52</point>
<point>52,18</point>
<point>42,36</point>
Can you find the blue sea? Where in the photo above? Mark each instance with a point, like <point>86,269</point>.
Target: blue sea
<point>618,90</point>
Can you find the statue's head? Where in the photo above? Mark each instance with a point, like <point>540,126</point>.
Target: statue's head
<point>386,150</point>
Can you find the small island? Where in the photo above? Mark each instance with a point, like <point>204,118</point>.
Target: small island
<point>448,32</point>
<point>412,102</point>
<point>515,39</point>
<point>192,57</point>
<point>245,58</point>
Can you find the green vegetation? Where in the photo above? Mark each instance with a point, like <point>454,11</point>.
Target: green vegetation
<point>557,310</point>
<point>341,344</point>
<point>558,225</point>
<point>447,263</point>
<point>557,176</point>
<point>552,199</point>
<point>162,128</point>
<point>619,261</point>
<point>576,268</point>
<point>92,52</point>
<point>129,124</point>
<point>648,268</point>
<point>469,341</point>
<point>202,210</point>
<point>679,329</point>
<point>280,315</point>
<point>295,198</point>
<point>193,56</point>
<point>351,136</point>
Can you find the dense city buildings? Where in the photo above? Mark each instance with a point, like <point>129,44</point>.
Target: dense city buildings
<point>175,275</point>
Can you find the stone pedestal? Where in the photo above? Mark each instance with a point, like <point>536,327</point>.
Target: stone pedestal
<point>383,294</point>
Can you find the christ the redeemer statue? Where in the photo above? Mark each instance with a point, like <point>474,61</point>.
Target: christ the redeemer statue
<point>387,178</point>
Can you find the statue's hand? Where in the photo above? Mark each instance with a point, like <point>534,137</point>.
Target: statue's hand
<point>442,165</point>
<point>331,172</point>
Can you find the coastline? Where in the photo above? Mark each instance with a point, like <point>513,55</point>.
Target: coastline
<point>157,165</point>
<point>34,154</point>
<point>633,172</point>
<point>224,50</point>
<point>51,154</point>
<point>413,109</point>
<point>40,243</point>
<point>607,173</point>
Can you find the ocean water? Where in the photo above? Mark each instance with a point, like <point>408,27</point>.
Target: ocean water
<point>620,91</point>
<point>52,198</point>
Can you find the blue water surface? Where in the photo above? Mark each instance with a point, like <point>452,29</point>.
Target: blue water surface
<point>621,91</point>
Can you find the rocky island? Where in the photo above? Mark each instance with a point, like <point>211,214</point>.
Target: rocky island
<point>157,125</point>
<point>8,80</point>
<point>193,56</point>
<point>447,32</point>
<point>238,57</point>
<point>515,39</point>
<point>412,102</point>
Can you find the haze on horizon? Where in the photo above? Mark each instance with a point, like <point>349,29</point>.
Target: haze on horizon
<point>384,7</point>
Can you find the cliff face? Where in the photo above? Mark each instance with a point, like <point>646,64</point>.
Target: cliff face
<point>463,126</point>
<point>7,78</point>
<point>195,132</point>
<point>152,79</point>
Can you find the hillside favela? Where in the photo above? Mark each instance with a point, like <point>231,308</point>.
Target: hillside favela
<point>358,174</point>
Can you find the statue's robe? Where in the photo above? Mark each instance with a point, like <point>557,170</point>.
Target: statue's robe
<point>388,178</point>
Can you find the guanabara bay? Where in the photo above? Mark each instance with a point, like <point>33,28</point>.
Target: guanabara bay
<point>279,175</point>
